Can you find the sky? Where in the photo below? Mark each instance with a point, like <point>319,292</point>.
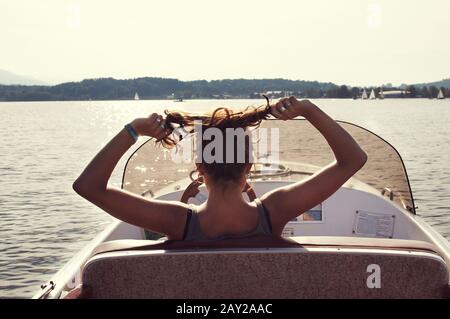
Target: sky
<point>353,42</point>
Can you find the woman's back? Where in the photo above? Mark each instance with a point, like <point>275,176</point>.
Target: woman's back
<point>193,230</point>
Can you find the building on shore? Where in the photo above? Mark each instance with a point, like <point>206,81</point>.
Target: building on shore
<point>272,94</point>
<point>395,94</point>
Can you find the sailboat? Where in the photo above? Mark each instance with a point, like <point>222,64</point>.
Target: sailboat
<point>364,95</point>
<point>136,96</point>
<point>381,94</point>
<point>372,95</point>
<point>440,95</point>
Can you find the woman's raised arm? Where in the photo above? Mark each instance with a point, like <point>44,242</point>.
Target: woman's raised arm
<point>161,216</point>
<point>288,202</point>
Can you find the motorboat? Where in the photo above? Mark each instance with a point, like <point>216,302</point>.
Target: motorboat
<point>364,241</point>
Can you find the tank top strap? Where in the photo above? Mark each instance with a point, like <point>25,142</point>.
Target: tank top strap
<point>264,217</point>
<point>188,222</point>
<point>192,228</point>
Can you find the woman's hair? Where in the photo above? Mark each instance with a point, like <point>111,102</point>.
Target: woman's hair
<point>221,118</point>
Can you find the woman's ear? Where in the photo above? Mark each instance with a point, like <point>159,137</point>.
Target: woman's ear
<point>200,169</point>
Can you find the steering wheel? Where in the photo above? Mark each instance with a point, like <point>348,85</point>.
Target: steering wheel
<point>193,189</point>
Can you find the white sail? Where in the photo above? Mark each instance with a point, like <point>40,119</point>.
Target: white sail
<point>440,95</point>
<point>136,96</point>
<point>381,95</point>
<point>364,95</point>
<point>372,95</point>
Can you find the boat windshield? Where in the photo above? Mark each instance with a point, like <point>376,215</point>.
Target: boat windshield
<point>292,151</point>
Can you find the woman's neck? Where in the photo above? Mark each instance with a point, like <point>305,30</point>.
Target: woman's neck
<point>225,198</point>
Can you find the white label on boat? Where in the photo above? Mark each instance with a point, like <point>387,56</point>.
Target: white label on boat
<point>287,232</point>
<point>373,224</point>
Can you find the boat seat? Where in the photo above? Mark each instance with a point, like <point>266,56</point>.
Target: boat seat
<point>267,242</point>
<point>299,267</point>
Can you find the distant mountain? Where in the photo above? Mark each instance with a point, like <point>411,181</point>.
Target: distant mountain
<point>162,88</point>
<point>167,88</point>
<point>8,78</point>
<point>443,83</point>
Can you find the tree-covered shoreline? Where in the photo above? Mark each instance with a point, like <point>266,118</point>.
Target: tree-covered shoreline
<point>164,88</point>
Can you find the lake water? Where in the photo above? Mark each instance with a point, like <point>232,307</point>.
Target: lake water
<point>44,146</point>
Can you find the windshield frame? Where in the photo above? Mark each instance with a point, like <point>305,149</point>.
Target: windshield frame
<point>413,208</point>
<point>408,184</point>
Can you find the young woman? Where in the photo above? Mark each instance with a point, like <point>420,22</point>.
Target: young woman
<point>225,213</point>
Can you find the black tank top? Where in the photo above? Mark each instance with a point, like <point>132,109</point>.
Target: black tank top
<point>193,232</point>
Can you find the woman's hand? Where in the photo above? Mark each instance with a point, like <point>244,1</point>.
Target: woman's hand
<point>153,126</point>
<point>289,108</point>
